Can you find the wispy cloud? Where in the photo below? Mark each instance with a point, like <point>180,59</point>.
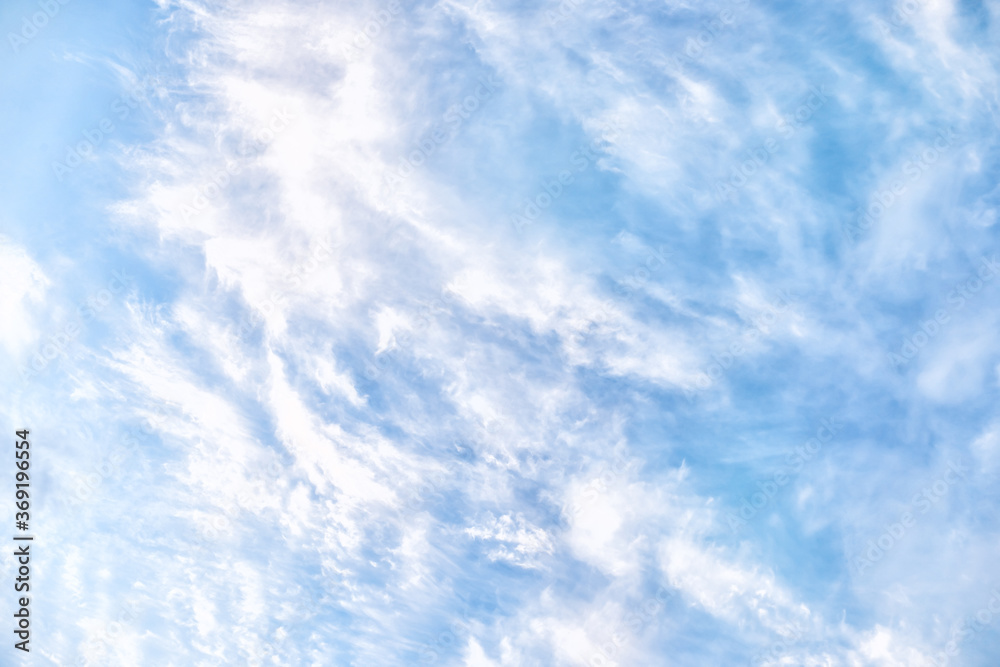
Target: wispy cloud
<point>489,334</point>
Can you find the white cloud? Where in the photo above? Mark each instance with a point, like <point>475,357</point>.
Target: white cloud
<point>24,285</point>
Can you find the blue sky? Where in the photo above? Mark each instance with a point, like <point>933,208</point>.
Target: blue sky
<point>481,333</point>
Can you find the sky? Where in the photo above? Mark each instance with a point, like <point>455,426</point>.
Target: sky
<point>589,332</point>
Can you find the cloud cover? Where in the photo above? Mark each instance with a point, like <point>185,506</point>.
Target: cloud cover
<point>460,333</point>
